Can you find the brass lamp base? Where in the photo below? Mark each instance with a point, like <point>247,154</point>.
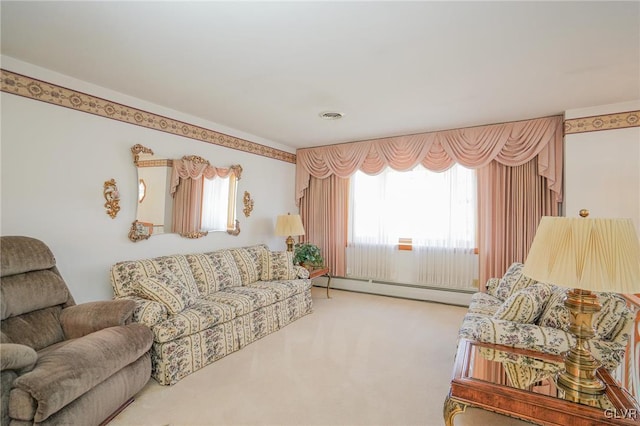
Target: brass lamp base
<point>579,379</point>
<point>290,242</point>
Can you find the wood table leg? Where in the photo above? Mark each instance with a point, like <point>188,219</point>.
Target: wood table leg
<point>328,286</point>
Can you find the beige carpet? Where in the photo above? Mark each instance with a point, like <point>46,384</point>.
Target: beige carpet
<point>358,359</point>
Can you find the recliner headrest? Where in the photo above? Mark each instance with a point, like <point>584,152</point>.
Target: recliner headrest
<point>24,254</point>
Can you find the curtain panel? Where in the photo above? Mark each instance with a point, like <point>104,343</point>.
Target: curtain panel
<point>187,202</point>
<point>511,202</point>
<point>491,149</point>
<point>324,214</point>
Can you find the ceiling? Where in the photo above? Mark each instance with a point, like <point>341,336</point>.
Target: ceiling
<point>270,68</point>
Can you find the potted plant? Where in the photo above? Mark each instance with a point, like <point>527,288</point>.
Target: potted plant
<point>307,255</point>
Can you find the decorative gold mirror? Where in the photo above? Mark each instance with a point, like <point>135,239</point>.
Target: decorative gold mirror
<point>187,196</point>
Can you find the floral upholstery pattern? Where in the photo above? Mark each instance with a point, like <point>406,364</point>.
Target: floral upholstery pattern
<point>555,314</point>
<point>244,299</point>
<point>482,303</point>
<point>525,305</point>
<point>512,282</point>
<point>165,288</point>
<point>147,312</point>
<point>283,288</point>
<point>214,271</point>
<point>232,308</point>
<point>488,319</point>
<point>278,265</point>
<point>491,286</point>
<point>613,306</point>
<point>249,262</point>
<point>203,314</point>
<point>124,275</point>
<point>175,359</point>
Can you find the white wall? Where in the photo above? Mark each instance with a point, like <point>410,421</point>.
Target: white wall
<point>602,168</point>
<point>54,164</point>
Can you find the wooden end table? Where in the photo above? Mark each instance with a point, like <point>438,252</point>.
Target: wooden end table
<point>521,383</point>
<point>321,272</point>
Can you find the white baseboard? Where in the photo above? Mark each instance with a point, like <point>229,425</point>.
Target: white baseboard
<point>451,297</point>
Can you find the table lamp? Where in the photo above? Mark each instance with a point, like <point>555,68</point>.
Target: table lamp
<point>289,225</point>
<point>584,255</point>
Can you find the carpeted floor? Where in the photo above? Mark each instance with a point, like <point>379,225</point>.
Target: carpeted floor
<point>358,359</point>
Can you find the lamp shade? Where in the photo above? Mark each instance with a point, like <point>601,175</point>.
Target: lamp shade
<point>289,225</point>
<point>588,254</point>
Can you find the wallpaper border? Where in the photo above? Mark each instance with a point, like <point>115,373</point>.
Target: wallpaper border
<point>28,87</point>
<point>619,120</point>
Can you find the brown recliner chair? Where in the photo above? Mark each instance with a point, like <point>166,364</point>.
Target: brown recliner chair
<point>63,363</point>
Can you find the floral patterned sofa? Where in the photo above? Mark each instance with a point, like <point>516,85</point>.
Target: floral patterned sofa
<point>519,312</point>
<point>204,306</point>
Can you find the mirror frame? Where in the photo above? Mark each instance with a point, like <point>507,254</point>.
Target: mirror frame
<point>140,231</point>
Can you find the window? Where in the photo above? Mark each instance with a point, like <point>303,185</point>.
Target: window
<point>436,210</point>
<point>218,204</point>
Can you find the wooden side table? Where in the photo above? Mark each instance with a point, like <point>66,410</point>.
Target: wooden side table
<point>510,381</point>
<point>321,272</point>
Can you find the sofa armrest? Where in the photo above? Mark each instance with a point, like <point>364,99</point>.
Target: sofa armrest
<point>487,329</point>
<point>301,272</point>
<point>83,319</point>
<point>17,357</point>
<point>147,312</point>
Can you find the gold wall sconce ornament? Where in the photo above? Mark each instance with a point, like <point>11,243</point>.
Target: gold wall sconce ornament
<point>112,198</point>
<point>248,204</point>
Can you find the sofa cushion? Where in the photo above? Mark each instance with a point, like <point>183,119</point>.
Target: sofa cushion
<point>555,314</point>
<point>167,289</point>
<point>214,271</point>
<point>284,288</point>
<point>203,314</point>
<point>278,265</point>
<point>491,286</point>
<point>613,306</point>
<point>525,305</point>
<point>512,282</point>
<point>244,299</point>
<point>249,262</point>
<point>485,304</point>
<point>124,275</point>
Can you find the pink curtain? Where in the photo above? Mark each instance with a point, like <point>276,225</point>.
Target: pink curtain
<point>511,202</point>
<point>195,167</point>
<point>510,144</point>
<point>324,213</point>
<point>491,149</point>
<point>187,202</point>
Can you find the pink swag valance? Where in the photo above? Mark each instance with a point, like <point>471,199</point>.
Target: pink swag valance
<point>511,144</point>
<point>195,167</point>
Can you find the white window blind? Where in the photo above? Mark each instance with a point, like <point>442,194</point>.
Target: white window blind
<point>436,210</point>
<point>215,202</point>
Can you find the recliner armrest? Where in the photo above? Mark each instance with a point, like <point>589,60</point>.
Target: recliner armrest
<point>17,357</point>
<point>83,319</point>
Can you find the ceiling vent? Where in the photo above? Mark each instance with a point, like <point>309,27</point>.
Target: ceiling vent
<point>331,115</point>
